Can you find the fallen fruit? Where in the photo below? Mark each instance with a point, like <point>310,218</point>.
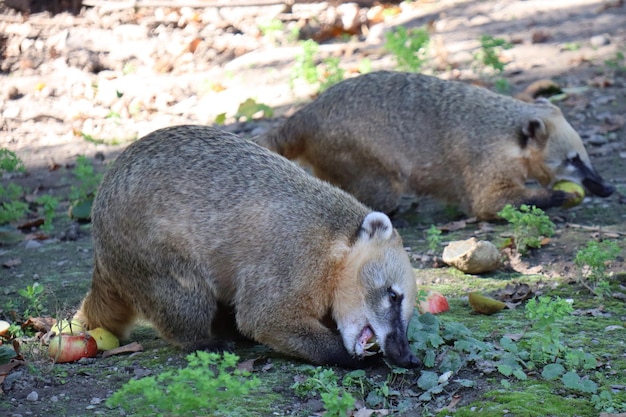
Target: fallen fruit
<point>434,303</point>
<point>4,327</point>
<point>70,348</point>
<point>485,305</point>
<point>68,327</point>
<point>104,338</point>
<point>572,188</point>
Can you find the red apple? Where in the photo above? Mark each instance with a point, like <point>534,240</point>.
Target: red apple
<point>434,303</point>
<point>70,348</point>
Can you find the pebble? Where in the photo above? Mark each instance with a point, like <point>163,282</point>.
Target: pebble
<point>33,244</point>
<point>597,140</point>
<point>33,396</point>
<point>10,379</point>
<point>600,40</point>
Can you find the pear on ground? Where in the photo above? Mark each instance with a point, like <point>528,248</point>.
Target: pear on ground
<point>571,187</point>
<point>483,304</point>
<point>68,327</point>
<point>4,327</point>
<point>104,338</point>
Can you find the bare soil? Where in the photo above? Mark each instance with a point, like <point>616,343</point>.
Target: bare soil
<point>92,82</point>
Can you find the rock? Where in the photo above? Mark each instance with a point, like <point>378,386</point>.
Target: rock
<point>33,396</point>
<point>600,40</point>
<point>472,256</point>
<point>33,244</point>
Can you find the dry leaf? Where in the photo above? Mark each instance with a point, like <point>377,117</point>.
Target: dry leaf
<point>129,348</point>
<point>456,398</point>
<point>453,226</point>
<point>29,224</point>
<point>246,366</point>
<point>366,412</point>
<point>12,263</point>
<point>6,368</point>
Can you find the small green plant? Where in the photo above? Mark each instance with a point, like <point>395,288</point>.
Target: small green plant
<point>332,74</point>
<point>10,162</point>
<point>325,74</point>
<point>209,385</point>
<point>49,205</point>
<point>35,297</point>
<point>592,262</point>
<point>530,226</point>
<point>88,180</point>
<point>571,46</point>
<point>433,237</point>
<point>409,46</point>
<point>545,345</point>
<point>305,67</point>
<point>271,28</point>
<point>617,62</point>
<point>248,108</point>
<point>502,85</point>
<point>488,55</point>
<point>10,208</point>
<point>324,382</point>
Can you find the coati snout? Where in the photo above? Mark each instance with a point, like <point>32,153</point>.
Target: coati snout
<point>385,134</point>
<point>190,219</point>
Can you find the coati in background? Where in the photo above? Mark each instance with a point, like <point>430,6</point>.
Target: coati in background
<point>190,220</point>
<point>385,134</point>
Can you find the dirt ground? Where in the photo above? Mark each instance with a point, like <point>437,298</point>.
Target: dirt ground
<point>91,83</point>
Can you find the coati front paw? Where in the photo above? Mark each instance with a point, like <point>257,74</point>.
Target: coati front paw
<point>559,198</point>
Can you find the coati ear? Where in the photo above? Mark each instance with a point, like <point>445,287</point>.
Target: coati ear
<point>376,225</point>
<point>535,133</point>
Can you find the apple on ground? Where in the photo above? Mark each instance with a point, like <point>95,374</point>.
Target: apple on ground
<point>433,303</point>
<point>69,348</point>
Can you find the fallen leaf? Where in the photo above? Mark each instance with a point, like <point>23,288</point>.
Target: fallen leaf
<point>540,36</point>
<point>453,226</point>
<point>29,224</point>
<point>12,263</point>
<point>246,366</point>
<point>6,368</point>
<point>366,412</point>
<point>129,348</point>
<point>456,398</point>
<point>39,324</point>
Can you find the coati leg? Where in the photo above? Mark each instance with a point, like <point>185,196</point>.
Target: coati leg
<point>105,307</point>
<point>310,340</point>
<point>377,190</point>
<point>184,315</point>
<point>491,200</point>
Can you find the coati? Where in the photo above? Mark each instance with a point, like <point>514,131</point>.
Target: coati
<point>191,221</point>
<point>384,134</point>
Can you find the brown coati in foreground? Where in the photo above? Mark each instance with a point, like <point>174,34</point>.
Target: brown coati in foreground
<point>191,221</point>
<point>384,134</point>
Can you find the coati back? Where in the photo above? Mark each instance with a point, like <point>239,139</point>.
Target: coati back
<point>384,134</point>
<point>191,222</point>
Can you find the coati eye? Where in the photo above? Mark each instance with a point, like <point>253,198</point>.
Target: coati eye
<point>393,296</point>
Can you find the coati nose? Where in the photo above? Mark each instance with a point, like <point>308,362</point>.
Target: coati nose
<point>399,353</point>
<point>591,180</point>
<point>598,187</point>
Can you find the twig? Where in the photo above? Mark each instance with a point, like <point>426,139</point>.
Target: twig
<point>195,4</point>
<point>597,229</point>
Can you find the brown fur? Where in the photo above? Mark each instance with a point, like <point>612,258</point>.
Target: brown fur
<point>191,219</point>
<point>385,134</point>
